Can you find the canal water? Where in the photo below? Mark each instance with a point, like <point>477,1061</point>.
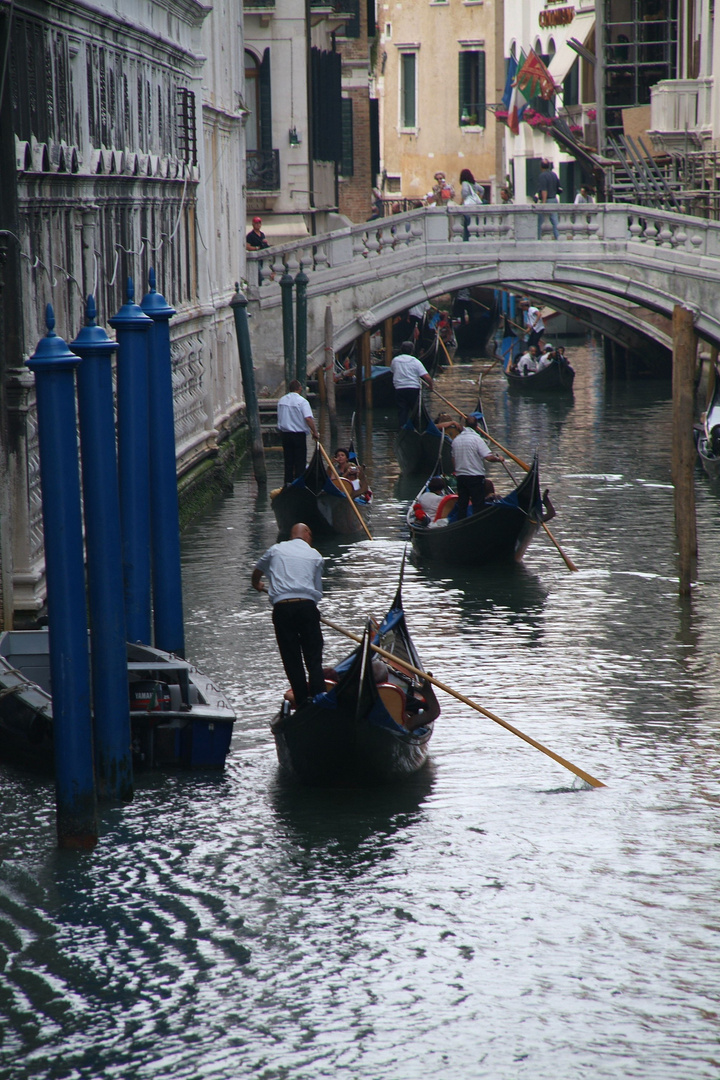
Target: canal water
<point>494,918</point>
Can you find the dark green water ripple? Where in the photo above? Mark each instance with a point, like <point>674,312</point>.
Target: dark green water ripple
<point>491,919</point>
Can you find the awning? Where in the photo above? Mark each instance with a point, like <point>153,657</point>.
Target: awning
<point>565,57</point>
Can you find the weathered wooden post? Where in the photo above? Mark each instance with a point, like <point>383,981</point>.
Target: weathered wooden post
<point>683,450</point>
<point>286,289</point>
<point>168,623</point>
<point>54,367</point>
<point>367,368</point>
<point>301,284</point>
<point>132,327</point>
<point>328,368</point>
<point>388,336</point>
<point>239,305</point>
<point>101,500</point>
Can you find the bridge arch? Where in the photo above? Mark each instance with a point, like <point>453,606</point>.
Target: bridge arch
<point>609,259</point>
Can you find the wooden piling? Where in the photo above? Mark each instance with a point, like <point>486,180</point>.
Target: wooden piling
<point>388,336</point>
<point>683,449</point>
<point>328,369</point>
<point>367,368</point>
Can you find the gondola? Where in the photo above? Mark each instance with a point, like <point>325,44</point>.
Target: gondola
<point>707,435</point>
<point>558,375</point>
<point>374,722</point>
<point>177,716</point>
<point>500,529</point>
<point>317,499</point>
<point>421,447</point>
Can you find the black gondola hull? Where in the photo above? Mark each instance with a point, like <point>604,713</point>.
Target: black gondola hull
<point>322,749</point>
<point>501,530</point>
<point>555,377</point>
<point>322,507</point>
<point>353,735</point>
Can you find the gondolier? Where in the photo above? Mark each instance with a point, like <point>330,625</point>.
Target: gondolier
<point>470,452</point>
<point>294,572</point>
<point>294,419</point>
<point>408,375</point>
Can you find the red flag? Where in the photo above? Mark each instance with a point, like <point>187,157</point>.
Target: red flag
<point>533,78</point>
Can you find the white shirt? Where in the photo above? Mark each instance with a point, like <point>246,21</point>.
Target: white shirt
<point>407,372</point>
<point>430,501</point>
<point>293,570</point>
<point>292,409</point>
<point>534,320</point>
<point>469,451</point>
<point>527,364</point>
<point>418,310</point>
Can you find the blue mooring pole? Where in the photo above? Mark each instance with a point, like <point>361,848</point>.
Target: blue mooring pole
<point>101,501</point>
<point>54,367</point>
<point>132,326</point>
<point>164,511</point>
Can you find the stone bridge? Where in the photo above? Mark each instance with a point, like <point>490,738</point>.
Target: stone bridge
<point>612,265</point>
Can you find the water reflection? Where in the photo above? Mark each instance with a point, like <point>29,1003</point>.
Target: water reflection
<point>349,830</point>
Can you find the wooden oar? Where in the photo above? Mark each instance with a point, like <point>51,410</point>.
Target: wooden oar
<point>445,349</point>
<point>473,705</point>
<point>523,465</point>
<point>344,490</point>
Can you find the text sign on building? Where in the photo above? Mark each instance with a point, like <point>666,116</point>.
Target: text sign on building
<point>557,17</point>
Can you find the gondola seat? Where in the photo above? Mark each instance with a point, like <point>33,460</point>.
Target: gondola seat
<point>445,507</point>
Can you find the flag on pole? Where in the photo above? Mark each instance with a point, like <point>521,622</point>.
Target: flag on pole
<point>511,73</point>
<point>534,78</point>
<point>516,106</point>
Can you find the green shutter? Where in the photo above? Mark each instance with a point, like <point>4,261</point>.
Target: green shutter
<point>265,103</point>
<point>408,90</point>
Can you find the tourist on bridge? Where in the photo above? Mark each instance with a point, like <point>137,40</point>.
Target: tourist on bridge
<point>294,572</point>
<point>408,375</point>
<point>548,190</point>
<point>295,417</point>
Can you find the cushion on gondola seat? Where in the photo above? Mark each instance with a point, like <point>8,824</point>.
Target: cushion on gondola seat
<point>393,698</point>
<point>445,507</point>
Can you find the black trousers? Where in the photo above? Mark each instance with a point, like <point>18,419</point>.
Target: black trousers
<point>469,489</point>
<point>406,400</point>
<point>294,444</point>
<point>299,637</point>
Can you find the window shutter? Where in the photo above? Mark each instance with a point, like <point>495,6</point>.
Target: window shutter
<point>265,103</point>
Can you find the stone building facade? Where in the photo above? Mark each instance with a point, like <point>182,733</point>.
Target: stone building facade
<point>121,149</point>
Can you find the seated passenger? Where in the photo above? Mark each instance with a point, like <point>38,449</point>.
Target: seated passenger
<point>432,496</point>
<point>351,471</point>
<point>527,364</point>
<point>548,355</point>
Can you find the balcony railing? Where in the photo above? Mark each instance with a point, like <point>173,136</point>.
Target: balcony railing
<point>259,5</point>
<point>262,170</point>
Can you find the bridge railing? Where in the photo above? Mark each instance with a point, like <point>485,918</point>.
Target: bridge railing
<point>421,233</point>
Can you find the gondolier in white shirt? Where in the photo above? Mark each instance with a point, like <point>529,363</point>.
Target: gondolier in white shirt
<point>408,375</point>
<point>535,325</point>
<point>294,573</point>
<point>470,452</point>
<point>294,419</point>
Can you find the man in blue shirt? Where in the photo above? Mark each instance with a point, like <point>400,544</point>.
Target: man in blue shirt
<point>547,192</point>
<point>294,572</point>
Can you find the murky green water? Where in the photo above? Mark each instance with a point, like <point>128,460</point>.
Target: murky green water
<point>488,920</point>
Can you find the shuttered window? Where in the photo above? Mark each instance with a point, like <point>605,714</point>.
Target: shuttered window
<point>408,75</point>
<point>471,84</point>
